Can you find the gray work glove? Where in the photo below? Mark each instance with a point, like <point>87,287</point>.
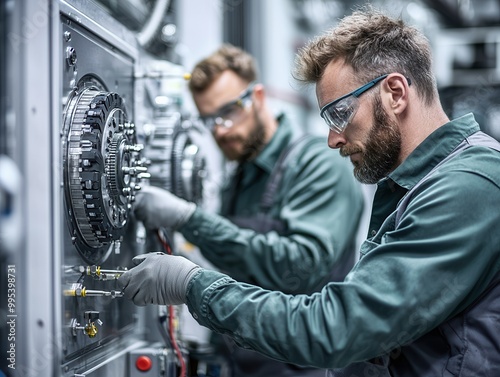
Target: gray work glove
<point>158,278</point>
<point>159,208</point>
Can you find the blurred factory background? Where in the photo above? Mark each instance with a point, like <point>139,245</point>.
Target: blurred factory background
<point>125,60</point>
<point>464,34</point>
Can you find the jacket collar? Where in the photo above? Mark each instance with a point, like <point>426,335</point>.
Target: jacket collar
<point>432,150</point>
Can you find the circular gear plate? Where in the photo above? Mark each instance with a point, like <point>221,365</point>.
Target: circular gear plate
<point>188,168</point>
<point>101,167</point>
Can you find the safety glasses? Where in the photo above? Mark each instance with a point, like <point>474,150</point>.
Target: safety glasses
<point>230,113</point>
<point>339,113</point>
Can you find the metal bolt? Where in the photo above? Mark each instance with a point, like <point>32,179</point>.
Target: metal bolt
<point>67,36</point>
<point>71,56</point>
<point>134,148</point>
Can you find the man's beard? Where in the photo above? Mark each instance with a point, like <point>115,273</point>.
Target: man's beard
<point>382,148</point>
<point>255,141</point>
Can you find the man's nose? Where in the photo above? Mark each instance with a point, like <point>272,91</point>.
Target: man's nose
<point>336,140</point>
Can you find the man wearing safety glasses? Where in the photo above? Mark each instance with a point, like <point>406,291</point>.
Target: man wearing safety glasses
<point>424,298</point>
<point>291,211</point>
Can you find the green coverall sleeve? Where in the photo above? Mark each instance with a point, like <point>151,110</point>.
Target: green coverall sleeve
<point>440,258</point>
<point>321,204</point>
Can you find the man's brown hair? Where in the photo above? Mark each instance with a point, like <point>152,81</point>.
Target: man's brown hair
<point>227,57</point>
<point>373,44</point>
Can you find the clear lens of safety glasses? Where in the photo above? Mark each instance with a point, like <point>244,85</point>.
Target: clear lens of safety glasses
<point>228,116</point>
<point>211,122</point>
<point>338,115</point>
<point>231,113</point>
<point>219,121</point>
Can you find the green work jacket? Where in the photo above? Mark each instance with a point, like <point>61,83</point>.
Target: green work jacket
<point>319,202</point>
<point>409,280</point>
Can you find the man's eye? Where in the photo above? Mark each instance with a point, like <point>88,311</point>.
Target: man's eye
<point>228,111</point>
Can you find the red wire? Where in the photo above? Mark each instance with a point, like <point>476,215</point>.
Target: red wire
<point>164,242</point>
<point>174,342</point>
<point>171,314</point>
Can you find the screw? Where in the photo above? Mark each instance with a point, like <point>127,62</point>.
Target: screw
<point>71,56</point>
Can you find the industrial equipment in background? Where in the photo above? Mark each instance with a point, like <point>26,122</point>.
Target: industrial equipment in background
<point>96,114</point>
<point>467,64</point>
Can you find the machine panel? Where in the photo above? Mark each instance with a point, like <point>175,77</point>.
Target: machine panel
<point>101,172</point>
<point>94,117</point>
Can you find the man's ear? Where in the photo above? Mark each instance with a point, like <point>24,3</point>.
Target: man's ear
<point>259,94</point>
<point>396,88</point>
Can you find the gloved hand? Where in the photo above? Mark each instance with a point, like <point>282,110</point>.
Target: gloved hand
<point>158,278</point>
<point>158,208</point>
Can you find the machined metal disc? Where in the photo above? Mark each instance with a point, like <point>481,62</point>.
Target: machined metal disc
<point>101,167</point>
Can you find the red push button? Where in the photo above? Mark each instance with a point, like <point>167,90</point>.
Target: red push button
<point>143,363</point>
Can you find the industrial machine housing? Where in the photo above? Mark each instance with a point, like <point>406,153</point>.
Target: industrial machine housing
<point>93,118</point>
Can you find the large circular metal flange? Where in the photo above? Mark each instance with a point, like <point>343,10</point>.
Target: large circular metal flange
<point>101,168</point>
<point>188,168</point>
